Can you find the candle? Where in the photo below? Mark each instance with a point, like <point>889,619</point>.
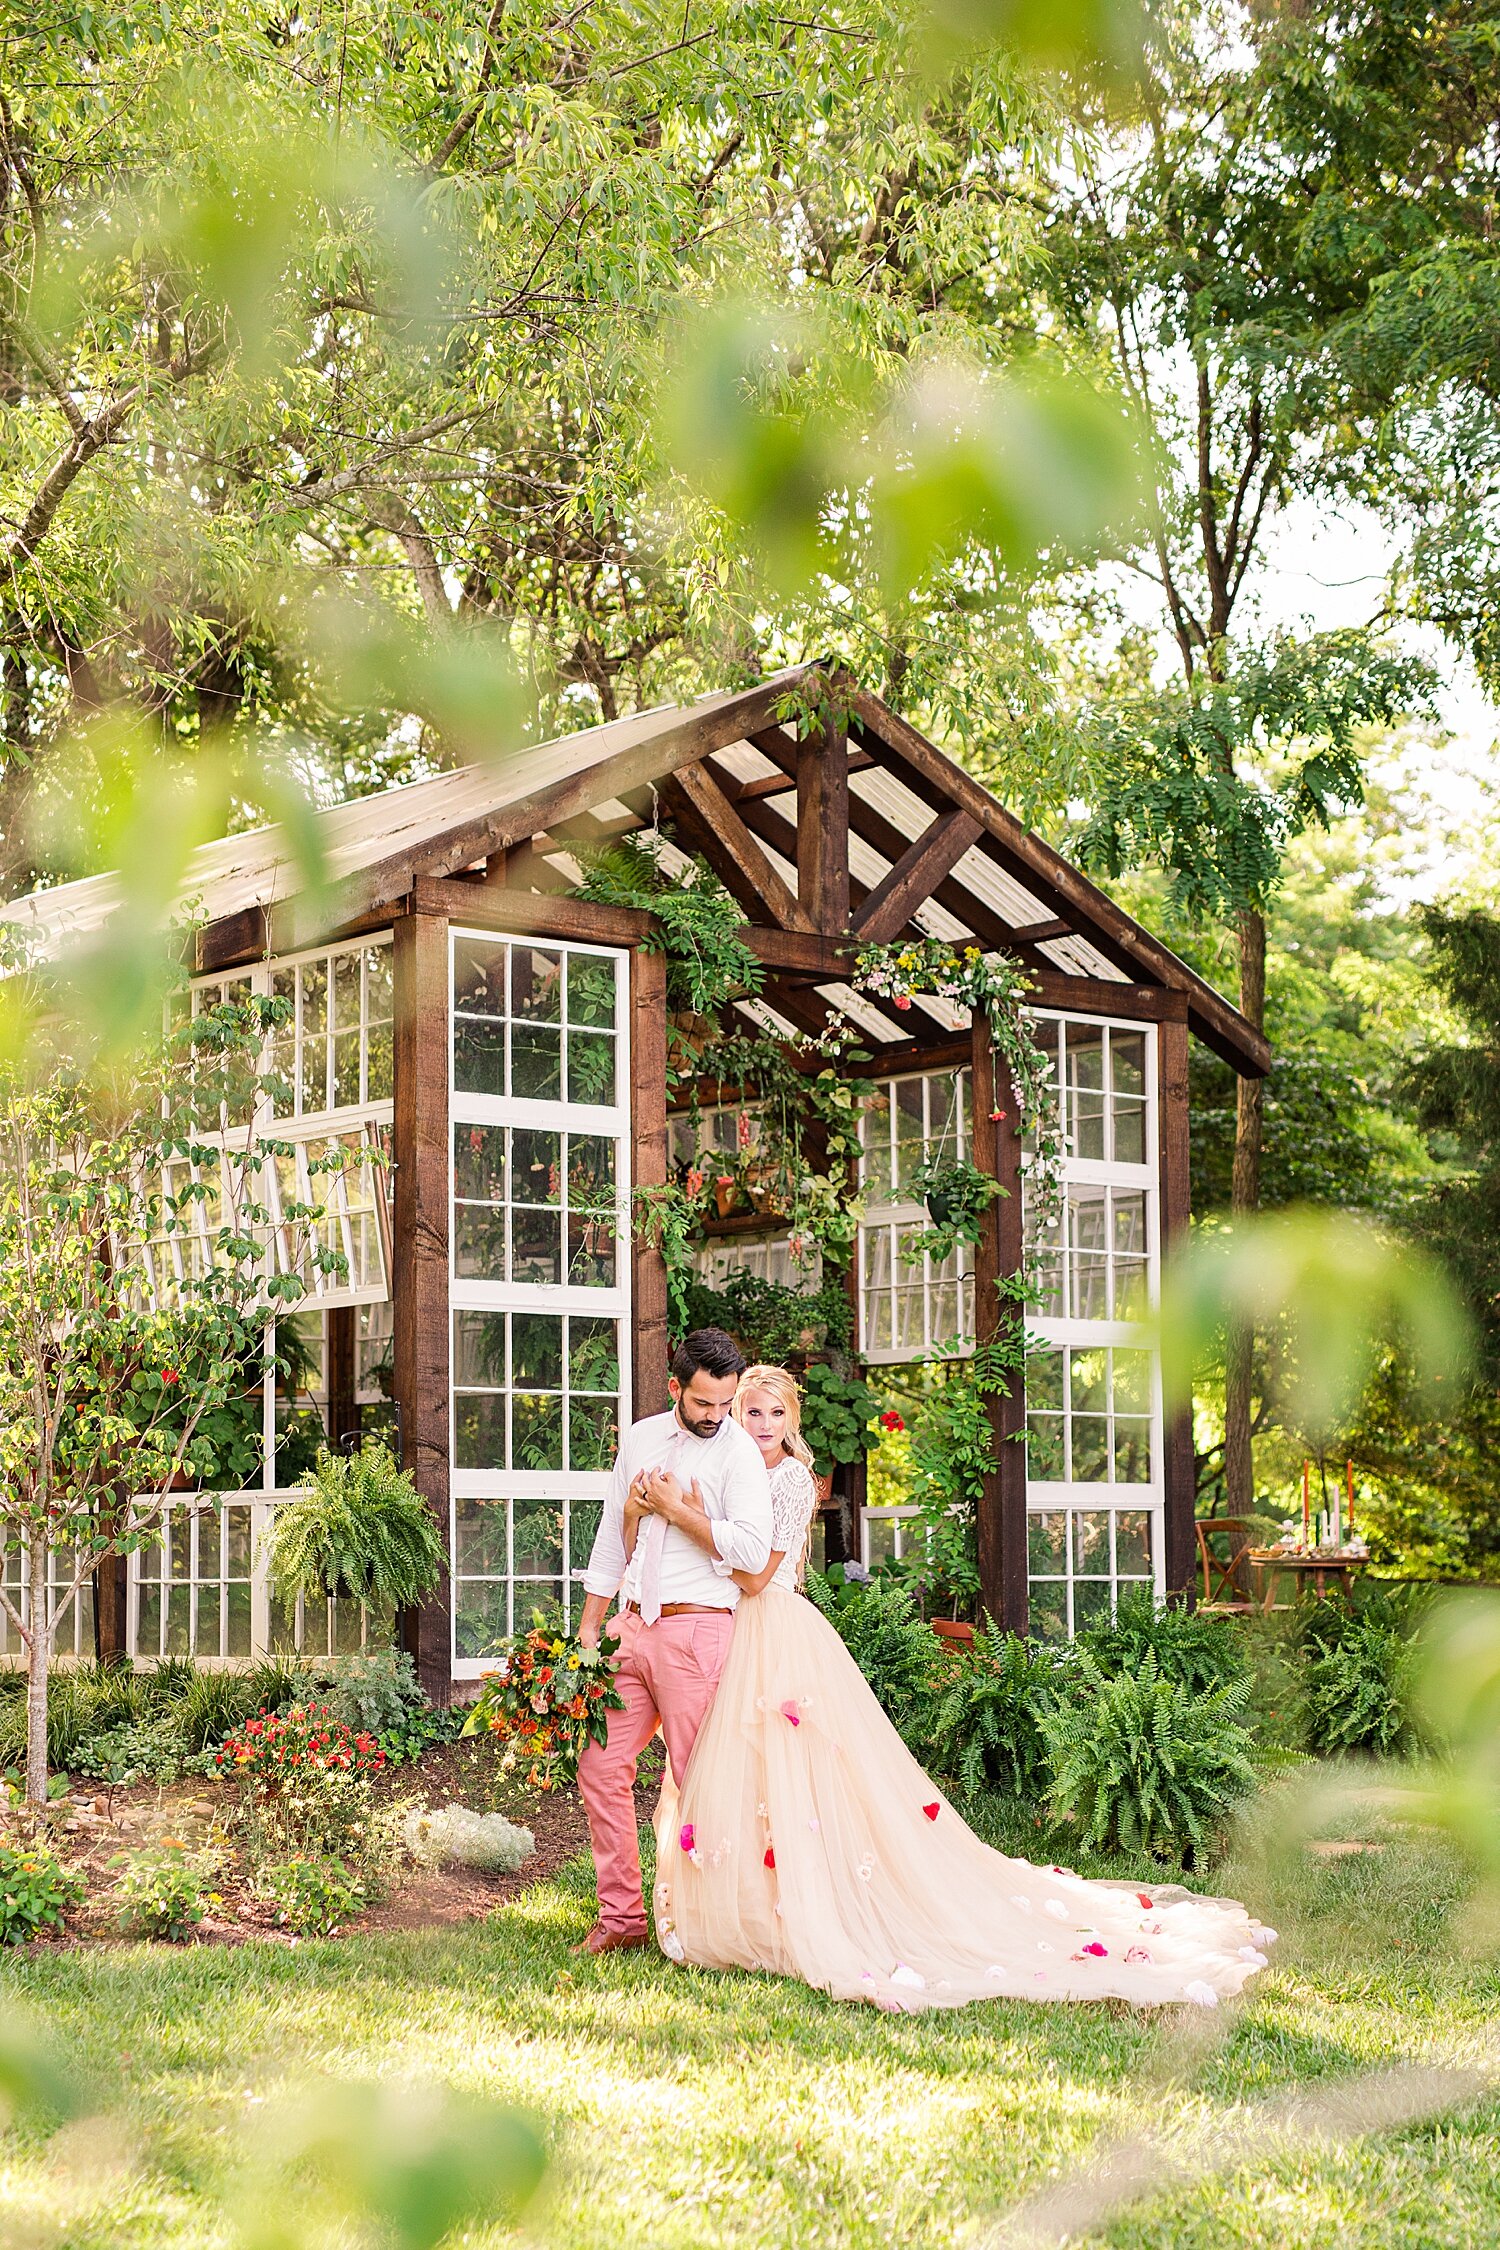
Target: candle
<point>1306,1505</point>
<point>1349,1487</point>
<point>1338,1515</point>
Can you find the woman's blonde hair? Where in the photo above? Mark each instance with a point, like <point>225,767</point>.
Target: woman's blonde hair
<point>781,1387</point>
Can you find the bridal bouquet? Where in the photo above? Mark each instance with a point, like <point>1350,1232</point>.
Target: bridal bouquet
<point>546,1700</point>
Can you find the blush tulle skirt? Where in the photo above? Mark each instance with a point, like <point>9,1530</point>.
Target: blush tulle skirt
<point>806,1840</point>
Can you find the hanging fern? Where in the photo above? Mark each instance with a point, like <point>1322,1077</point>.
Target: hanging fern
<point>708,962</point>
<point>361,1527</point>
<point>1144,1764</point>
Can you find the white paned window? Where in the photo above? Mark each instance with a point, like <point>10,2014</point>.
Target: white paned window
<point>334,1051</point>
<point>911,1309</point>
<point>540,1273</point>
<point>1093,1390</point>
<point>768,1260</point>
<point>886,1534</point>
<point>76,1634</point>
<point>202,1591</point>
<point>728,1129</point>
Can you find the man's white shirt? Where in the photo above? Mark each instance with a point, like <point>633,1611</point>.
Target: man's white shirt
<point>736,1491</point>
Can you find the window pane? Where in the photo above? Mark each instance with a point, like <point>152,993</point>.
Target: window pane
<point>591,991</point>
<point>1091,1543</point>
<point>536,1246</point>
<point>1132,1542</point>
<point>1090,1448</point>
<point>379,1004</point>
<point>591,1252</point>
<point>479,1163</point>
<point>1091,1603</point>
<point>1046,1543</point>
<point>346,988</point>
<point>536,1430</point>
<point>583,1524</point>
<point>535,1167</point>
<point>535,1063</point>
<point>1132,1450</point>
<point>536,984</point>
<point>1127,1055</point>
<point>1130,1133</point>
<point>1049,1611</point>
<point>478,1057</point>
<point>591,1067</point>
<point>346,1059</point>
<point>1132,1381</point>
<point>479,1538</point>
<point>479,1349</point>
<point>479,1430</point>
<point>593,1434</point>
<point>1085,1065</point>
<point>1044,1380</point>
<point>538,1538</point>
<point>1044,1449</point>
<point>479,977</point>
<point>879,1540</point>
<point>480,1617</point>
<point>536,1347</point>
<point>479,1238</point>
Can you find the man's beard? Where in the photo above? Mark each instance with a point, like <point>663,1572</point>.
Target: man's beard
<point>700,1429</point>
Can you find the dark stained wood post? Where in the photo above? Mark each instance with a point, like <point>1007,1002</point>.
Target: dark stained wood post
<point>340,1323</point>
<point>823,825</point>
<point>1179,1474</point>
<point>648,1135</point>
<point>420,1281</point>
<point>1000,1253</point>
<point>111,1619</point>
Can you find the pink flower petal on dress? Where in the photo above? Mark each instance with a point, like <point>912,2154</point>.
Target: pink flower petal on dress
<point>932,1811</point>
<point>687,1837</point>
<point>1100,1952</point>
<point>1135,1955</point>
<point>791,1714</point>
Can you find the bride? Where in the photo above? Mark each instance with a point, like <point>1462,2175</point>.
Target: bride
<point>806,1840</point>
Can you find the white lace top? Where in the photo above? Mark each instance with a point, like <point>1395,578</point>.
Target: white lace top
<point>792,1497</point>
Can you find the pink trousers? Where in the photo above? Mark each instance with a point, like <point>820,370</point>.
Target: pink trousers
<point>668,1673</point>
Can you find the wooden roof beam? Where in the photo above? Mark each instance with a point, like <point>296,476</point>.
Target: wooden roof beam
<point>731,850</point>
<point>915,876</point>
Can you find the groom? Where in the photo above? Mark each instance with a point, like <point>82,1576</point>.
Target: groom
<point>677,1601</point>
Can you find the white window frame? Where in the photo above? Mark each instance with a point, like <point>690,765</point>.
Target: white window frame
<point>903,1216</point>
<point>1062,1333</point>
<point>468,1294</point>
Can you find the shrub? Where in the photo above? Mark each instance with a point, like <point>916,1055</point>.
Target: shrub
<point>987,1724</point>
<point>894,1648</point>
<point>1144,1763</point>
<point>373,1691</point>
<point>313,1896</point>
<point>36,1891</point>
<point>470,1839</point>
<point>1199,1652</point>
<point>1359,1691</point>
<point>427,1729</point>
<point>140,1750</point>
<point>164,1890</point>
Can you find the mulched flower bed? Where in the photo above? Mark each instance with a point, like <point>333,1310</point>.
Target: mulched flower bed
<point>95,1827</point>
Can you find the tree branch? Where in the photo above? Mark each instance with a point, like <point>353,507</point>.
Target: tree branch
<point>460,132</point>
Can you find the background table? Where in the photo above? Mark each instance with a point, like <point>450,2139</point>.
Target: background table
<point>1337,1568</point>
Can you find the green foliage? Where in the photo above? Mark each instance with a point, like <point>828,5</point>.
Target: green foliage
<point>373,1691</point>
<point>428,1729</point>
<point>952,1452</point>
<point>1145,1763</point>
<point>1360,1668</point>
<point>837,1416</point>
<point>1195,1649</point>
<point>1171,791</point>
<point>361,1527</point>
<point>314,1897</point>
<point>895,1649</point>
<point>318,1814</point>
<point>769,1320</point>
<point>699,924</point>
<point>986,1725</point>
<point>36,1891</point>
<point>957,1195</point>
<point>164,1890</point>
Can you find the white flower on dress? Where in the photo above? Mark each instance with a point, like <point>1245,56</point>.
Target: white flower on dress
<point>1253,1955</point>
<point>1202,1995</point>
<point>672,1945</point>
<point>1058,1911</point>
<point>901,1974</point>
<point>1020,1902</point>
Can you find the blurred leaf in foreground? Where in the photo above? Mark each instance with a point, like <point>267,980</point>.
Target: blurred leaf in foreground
<point>1335,1287</point>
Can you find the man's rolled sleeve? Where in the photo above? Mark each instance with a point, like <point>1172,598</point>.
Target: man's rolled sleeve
<point>607,1556</point>
<point>742,1534</point>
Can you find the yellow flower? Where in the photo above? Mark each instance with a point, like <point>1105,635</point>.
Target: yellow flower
<point>572,1663</point>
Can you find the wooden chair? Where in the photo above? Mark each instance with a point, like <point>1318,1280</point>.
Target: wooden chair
<point>1226,1584</point>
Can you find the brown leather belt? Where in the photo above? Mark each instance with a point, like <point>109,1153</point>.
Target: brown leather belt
<point>684,1609</point>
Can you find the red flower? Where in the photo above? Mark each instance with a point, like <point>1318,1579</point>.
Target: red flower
<point>932,1811</point>
<point>169,1376</point>
<point>902,1001</point>
<point>891,1420</point>
<point>770,1859</point>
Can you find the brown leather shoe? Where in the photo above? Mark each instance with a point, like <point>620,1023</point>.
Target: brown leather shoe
<point>601,1940</point>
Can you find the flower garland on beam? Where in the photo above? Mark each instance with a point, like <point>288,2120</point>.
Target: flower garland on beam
<point>997,986</point>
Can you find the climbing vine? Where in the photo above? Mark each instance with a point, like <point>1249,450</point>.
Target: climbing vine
<point>990,983</point>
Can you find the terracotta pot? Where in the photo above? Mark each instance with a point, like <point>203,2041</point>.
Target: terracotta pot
<point>823,1490</point>
<point>953,1630</point>
<point>183,1480</point>
<point>725,1198</point>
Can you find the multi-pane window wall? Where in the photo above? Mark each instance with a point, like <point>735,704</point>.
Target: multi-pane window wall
<point>540,1272</point>
<point>1093,1422</point>
<point>911,1308</point>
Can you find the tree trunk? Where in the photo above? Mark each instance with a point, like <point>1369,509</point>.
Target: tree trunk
<point>1239,1355</point>
<point>38,1653</point>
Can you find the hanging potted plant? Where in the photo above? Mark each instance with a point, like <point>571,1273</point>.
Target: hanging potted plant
<point>957,1195</point>
<point>360,1531</point>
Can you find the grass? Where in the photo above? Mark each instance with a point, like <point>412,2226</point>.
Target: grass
<point>687,2109</point>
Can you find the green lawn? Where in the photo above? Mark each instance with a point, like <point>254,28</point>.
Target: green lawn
<point>689,2110</point>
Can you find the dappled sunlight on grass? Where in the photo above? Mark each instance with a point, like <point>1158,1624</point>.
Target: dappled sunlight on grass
<point>686,2107</point>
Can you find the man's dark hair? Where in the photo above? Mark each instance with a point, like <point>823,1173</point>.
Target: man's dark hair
<point>710,1350</point>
